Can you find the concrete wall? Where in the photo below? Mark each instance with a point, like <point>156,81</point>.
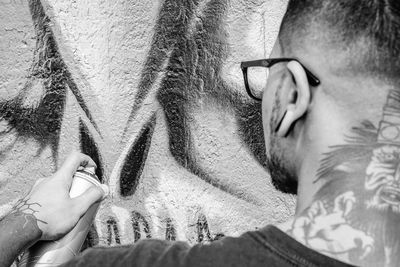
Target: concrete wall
<point>152,90</point>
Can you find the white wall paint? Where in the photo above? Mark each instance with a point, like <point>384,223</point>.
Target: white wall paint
<point>105,45</point>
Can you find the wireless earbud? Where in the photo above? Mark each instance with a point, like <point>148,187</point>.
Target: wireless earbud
<point>285,125</point>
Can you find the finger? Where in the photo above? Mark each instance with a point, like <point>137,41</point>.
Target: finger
<point>38,181</point>
<point>313,210</point>
<point>348,207</point>
<point>367,250</point>
<point>87,199</point>
<point>299,228</point>
<point>106,190</point>
<point>73,162</point>
<point>321,209</point>
<point>301,222</point>
<point>338,203</point>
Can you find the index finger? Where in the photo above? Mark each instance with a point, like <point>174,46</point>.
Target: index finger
<point>73,162</point>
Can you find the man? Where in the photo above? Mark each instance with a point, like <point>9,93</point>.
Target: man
<point>331,117</point>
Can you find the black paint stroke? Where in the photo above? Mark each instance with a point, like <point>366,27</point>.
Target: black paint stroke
<point>138,223</point>
<point>81,102</point>
<point>92,238</point>
<point>89,147</point>
<point>180,90</point>
<point>170,232</point>
<point>42,122</point>
<point>112,230</point>
<point>212,50</point>
<point>135,160</point>
<point>192,74</point>
<point>43,24</point>
<point>203,232</point>
<point>218,236</point>
<point>251,130</point>
<point>172,22</point>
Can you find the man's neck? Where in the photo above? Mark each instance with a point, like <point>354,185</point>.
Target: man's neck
<point>351,208</point>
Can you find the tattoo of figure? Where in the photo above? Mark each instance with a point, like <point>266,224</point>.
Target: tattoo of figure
<point>383,172</point>
<point>357,211</point>
<point>327,228</point>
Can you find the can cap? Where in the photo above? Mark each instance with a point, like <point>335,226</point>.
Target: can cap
<point>90,170</point>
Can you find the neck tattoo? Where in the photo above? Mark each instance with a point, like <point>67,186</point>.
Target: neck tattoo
<point>356,214</point>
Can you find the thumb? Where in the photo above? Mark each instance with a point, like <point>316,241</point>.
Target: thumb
<point>87,199</point>
<point>38,182</point>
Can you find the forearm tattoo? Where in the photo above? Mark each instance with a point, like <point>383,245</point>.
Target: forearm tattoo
<point>357,212</point>
<point>19,229</point>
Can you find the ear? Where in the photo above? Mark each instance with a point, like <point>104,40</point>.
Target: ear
<point>298,99</point>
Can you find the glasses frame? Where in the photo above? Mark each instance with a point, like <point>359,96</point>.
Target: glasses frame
<point>267,63</point>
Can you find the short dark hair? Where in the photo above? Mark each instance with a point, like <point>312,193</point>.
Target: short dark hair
<point>369,30</point>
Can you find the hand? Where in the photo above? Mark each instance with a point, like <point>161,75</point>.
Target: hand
<point>49,201</point>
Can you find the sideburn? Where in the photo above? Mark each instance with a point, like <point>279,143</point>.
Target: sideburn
<point>282,179</point>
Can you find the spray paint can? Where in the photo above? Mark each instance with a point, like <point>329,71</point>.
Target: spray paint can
<point>53,253</point>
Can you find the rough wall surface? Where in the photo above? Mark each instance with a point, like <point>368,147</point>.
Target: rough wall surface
<point>152,91</point>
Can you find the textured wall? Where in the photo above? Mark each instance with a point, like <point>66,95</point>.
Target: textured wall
<point>152,90</point>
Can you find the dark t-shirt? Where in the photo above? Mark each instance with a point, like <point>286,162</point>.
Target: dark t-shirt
<point>266,247</point>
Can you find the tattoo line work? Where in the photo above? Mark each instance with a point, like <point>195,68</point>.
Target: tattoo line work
<point>27,208</point>
<point>357,212</point>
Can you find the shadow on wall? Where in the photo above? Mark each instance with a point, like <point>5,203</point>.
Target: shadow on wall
<point>194,47</point>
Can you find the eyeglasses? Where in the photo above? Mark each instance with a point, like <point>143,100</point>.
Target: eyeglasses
<point>256,73</point>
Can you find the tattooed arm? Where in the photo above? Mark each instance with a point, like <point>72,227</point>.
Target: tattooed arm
<point>47,212</point>
<point>18,231</point>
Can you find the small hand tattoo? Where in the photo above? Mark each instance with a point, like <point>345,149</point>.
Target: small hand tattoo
<point>24,206</point>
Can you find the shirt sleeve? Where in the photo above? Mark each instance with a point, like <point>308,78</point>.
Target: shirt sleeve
<point>159,253</point>
<point>145,253</point>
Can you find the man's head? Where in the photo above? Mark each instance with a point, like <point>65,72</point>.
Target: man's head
<point>353,47</point>
<point>363,34</point>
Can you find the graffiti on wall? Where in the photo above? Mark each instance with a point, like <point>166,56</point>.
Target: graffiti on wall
<point>161,161</point>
